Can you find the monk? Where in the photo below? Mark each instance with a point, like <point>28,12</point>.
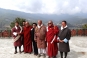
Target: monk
<point>17,38</point>
<point>27,38</point>
<point>51,37</point>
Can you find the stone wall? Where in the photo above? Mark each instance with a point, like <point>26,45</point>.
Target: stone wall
<point>5,33</point>
<point>79,32</point>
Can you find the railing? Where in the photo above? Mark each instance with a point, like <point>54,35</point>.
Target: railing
<point>5,33</point>
<point>79,32</point>
<point>74,32</point>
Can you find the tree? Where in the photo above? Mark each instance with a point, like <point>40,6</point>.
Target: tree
<point>84,26</point>
<point>20,20</point>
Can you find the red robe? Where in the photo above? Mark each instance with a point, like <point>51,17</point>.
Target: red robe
<point>52,47</point>
<point>27,39</point>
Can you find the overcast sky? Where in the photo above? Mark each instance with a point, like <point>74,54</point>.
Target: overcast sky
<point>46,6</point>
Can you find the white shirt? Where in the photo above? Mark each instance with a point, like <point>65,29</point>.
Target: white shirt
<point>63,27</point>
<point>39,26</point>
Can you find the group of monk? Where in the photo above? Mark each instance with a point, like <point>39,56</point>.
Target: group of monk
<point>42,40</point>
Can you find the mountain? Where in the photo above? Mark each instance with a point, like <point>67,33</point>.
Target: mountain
<point>7,16</point>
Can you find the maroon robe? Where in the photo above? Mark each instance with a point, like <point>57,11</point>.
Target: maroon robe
<point>18,42</point>
<point>27,39</point>
<point>52,47</point>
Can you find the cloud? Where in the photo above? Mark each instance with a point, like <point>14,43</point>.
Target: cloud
<point>31,6</point>
<point>46,6</point>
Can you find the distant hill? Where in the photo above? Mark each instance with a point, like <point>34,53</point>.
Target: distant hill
<point>7,16</point>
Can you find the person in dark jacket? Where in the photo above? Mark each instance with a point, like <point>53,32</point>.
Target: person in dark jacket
<point>64,37</point>
<point>34,42</point>
<point>22,36</point>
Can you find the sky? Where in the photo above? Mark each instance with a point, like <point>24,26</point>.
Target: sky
<point>46,6</point>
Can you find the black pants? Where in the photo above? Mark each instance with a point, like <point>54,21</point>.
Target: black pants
<point>61,53</point>
<point>19,48</point>
<point>35,47</point>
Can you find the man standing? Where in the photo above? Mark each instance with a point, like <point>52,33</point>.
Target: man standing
<point>33,41</point>
<point>40,34</point>
<point>64,37</point>
<point>16,34</point>
<point>22,36</point>
<point>27,38</point>
<point>52,34</point>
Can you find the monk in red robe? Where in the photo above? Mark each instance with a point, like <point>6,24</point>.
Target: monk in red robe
<point>51,37</point>
<point>27,38</point>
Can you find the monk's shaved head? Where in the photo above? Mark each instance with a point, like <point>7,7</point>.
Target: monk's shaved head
<point>26,24</point>
<point>50,21</point>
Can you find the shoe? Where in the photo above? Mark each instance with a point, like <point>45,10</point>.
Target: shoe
<point>30,53</point>
<point>49,57</point>
<point>15,52</point>
<point>39,55</point>
<point>35,54</point>
<point>54,57</point>
<point>44,56</point>
<point>25,52</point>
<point>20,52</point>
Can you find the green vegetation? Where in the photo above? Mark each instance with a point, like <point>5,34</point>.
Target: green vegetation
<point>20,20</point>
<point>84,26</point>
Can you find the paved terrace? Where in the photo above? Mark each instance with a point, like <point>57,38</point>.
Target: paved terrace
<point>78,47</point>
